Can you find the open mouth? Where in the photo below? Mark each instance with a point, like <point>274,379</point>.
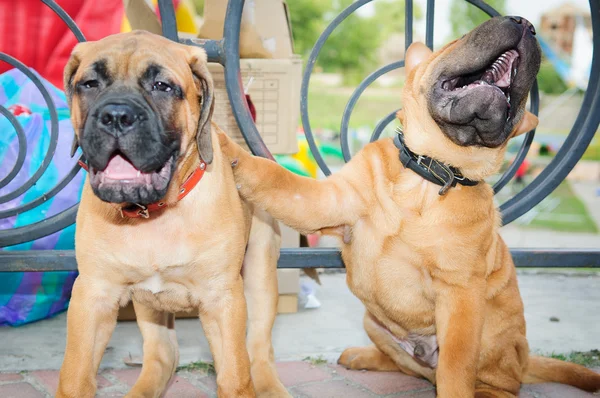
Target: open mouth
<point>499,74</point>
<point>121,181</point>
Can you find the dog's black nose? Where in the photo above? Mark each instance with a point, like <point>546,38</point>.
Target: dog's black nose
<point>118,118</point>
<point>523,21</point>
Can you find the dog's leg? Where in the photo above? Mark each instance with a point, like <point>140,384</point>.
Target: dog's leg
<point>223,316</point>
<point>161,353</point>
<point>459,320</point>
<point>91,319</point>
<point>304,204</point>
<point>260,286</point>
<point>386,355</point>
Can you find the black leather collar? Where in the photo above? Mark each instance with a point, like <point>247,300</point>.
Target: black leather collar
<point>430,169</point>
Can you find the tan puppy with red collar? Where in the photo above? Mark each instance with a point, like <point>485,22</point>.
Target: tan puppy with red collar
<point>161,223</point>
<point>437,281</point>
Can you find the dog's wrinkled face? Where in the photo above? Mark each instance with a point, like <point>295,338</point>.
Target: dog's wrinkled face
<point>464,102</point>
<point>481,86</point>
<point>137,102</point>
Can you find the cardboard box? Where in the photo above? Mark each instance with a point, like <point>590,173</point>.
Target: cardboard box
<point>275,92</point>
<point>127,313</point>
<point>265,31</point>
<point>289,237</point>
<point>287,304</point>
<point>288,280</point>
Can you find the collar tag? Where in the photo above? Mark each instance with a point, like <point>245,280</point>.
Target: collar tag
<point>143,211</point>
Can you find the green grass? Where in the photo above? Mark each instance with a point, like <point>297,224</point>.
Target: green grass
<point>593,151</point>
<point>316,361</point>
<point>204,367</point>
<point>570,215</point>
<point>590,359</point>
<point>326,107</point>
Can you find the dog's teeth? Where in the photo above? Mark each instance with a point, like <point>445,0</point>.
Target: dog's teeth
<point>139,173</point>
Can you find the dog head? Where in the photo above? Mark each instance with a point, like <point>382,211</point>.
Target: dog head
<point>139,102</point>
<point>464,102</point>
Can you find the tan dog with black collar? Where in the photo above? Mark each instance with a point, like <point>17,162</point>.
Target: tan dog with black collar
<point>437,281</point>
<point>141,106</point>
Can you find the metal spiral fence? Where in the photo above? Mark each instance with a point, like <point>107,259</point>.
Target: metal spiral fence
<point>226,52</point>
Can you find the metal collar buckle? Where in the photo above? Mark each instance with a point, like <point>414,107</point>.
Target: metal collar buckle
<point>448,183</point>
<point>142,211</point>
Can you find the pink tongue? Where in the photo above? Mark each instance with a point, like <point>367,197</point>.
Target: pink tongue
<point>120,169</point>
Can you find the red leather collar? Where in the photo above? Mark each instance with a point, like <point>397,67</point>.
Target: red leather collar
<point>136,210</point>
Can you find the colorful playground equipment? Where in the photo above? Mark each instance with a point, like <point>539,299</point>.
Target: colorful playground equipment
<point>303,162</point>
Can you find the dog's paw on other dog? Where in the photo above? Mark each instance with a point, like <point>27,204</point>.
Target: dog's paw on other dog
<point>438,282</point>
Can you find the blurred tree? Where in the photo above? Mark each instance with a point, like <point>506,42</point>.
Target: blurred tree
<point>199,5</point>
<point>464,16</point>
<point>307,18</point>
<point>549,81</point>
<point>352,47</point>
<point>390,15</point>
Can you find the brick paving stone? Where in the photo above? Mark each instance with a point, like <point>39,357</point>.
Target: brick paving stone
<point>127,376</point>
<point>109,394</point>
<point>554,390</point>
<point>332,389</point>
<point>207,381</point>
<point>304,379</point>
<point>49,379</point>
<point>181,388</point>
<point>420,394</point>
<point>210,381</point>
<point>384,383</point>
<point>19,390</point>
<point>10,377</point>
<point>295,373</point>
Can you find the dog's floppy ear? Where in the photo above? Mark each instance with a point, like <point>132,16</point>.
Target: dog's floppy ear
<point>68,74</point>
<point>197,63</point>
<point>528,122</point>
<point>415,54</point>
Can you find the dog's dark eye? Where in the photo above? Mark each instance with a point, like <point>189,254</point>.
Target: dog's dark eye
<point>161,86</point>
<point>90,84</point>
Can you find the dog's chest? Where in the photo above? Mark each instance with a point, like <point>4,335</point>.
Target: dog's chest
<point>388,268</point>
<point>391,281</point>
<point>170,266</point>
<point>165,293</point>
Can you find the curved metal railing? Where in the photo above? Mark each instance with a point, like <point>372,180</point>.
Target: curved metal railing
<point>226,52</point>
